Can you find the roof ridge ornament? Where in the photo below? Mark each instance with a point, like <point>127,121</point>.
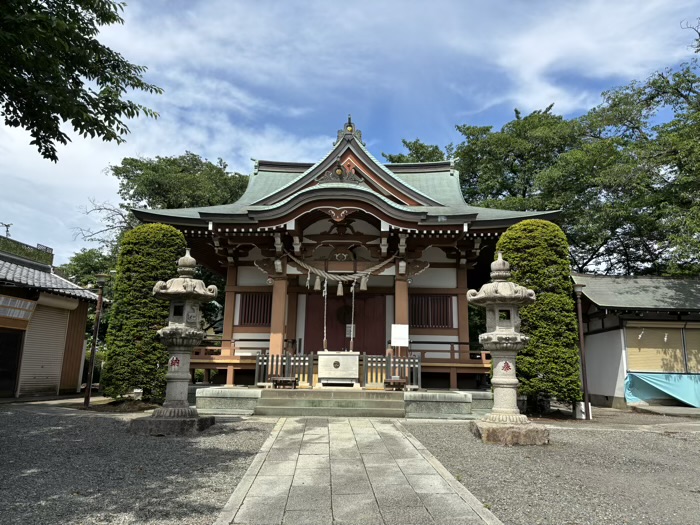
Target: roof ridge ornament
<point>349,130</point>
<point>340,173</point>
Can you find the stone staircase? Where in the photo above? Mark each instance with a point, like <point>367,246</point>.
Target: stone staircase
<point>341,402</point>
<point>330,403</point>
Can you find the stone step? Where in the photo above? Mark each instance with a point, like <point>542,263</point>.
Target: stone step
<point>262,410</point>
<point>332,402</point>
<point>327,393</point>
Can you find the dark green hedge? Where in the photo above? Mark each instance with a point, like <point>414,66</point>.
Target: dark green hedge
<point>135,358</point>
<point>548,367</point>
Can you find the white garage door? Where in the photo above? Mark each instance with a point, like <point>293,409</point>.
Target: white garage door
<point>42,356</point>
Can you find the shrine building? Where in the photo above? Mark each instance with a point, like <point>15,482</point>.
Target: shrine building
<point>330,255</point>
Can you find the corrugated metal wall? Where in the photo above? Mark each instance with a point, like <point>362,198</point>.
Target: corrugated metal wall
<point>42,355</point>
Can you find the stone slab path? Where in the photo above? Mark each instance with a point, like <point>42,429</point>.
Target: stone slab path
<point>333,471</point>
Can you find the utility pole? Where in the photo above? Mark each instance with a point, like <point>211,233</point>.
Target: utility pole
<point>101,279</point>
<point>578,289</point>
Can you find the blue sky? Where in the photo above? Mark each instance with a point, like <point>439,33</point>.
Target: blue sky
<point>275,80</point>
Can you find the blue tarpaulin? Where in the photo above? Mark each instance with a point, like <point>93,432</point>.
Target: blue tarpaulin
<point>641,387</point>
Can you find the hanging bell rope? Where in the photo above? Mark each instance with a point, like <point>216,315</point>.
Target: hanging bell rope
<point>325,314</point>
<point>352,318</point>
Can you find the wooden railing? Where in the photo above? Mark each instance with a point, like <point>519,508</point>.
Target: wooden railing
<point>458,351</point>
<point>378,368</point>
<point>375,368</point>
<point>299,366</point>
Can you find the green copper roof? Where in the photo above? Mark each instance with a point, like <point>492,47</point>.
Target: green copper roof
<point>275,184</point>
<point>640,293</point>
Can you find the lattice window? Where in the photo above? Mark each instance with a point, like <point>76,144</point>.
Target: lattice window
<point>256,309</point>
<point>430,311</point>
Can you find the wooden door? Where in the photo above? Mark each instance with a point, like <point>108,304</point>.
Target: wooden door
<point>370,323</point>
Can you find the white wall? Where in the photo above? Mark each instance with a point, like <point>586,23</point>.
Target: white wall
<point>605,364</point>
<point>415,345</point>
<point>436,278</point>
<point>251,276</point>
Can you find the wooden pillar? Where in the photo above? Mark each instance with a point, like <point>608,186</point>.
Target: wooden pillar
<point>227,347</point>
<point>401,304</point>
<point>292,302</point>
<point>279,313</point>
<point>462,312</point>
<point>229,375</point>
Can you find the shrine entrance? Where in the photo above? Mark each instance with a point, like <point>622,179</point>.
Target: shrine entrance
<point>370,324</point>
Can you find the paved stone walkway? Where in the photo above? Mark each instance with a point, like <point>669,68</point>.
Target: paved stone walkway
<point>324,471</point>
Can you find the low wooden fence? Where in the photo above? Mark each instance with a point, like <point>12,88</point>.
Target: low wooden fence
<point>375,368</point>
<point>378,368</point>
<point>268,366</point>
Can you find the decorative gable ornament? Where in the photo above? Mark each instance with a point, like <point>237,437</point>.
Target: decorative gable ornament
<point>340,174</point>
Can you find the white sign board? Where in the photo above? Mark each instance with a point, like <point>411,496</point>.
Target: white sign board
<point>349,330</point>
<point>399,335</point>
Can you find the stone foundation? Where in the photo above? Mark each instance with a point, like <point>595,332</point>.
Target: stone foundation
<point>227,400</point>
<point>509,435</point>
<point>438,405</point>
<point>163,426</point>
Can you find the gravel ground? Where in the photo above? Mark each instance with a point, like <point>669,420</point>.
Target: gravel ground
<point>625,468</point>
<point>61,466</point>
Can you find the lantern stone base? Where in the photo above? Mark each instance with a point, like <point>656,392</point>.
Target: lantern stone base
<point>510,434</point>
<point>170,426</point>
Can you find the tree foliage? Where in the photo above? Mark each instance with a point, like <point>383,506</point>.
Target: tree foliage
<point>548,367</point>
<point>82,267</point>
<point>185,181</point>
<point>135,358</point>
<point>162,182</point>
<point>419,152</point>
<point>625,175</point>
<point>54,70</point>
<point>499,168</point>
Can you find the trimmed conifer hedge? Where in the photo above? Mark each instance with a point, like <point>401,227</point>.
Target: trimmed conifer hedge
<point>135,358</point>
<point>548,367</point>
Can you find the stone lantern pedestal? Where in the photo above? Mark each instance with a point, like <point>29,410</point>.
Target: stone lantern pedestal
<point>182,334</point>
<point>502,299</point>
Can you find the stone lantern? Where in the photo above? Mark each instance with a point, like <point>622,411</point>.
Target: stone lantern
<point>182,334</point>
<point>502,300</point>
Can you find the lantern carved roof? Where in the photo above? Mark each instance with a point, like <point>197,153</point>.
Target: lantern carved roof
<point>501,291</point>
<point>185,286</point>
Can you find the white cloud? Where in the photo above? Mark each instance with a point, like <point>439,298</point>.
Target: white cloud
<point>596,40</point>
<point>274,80</point>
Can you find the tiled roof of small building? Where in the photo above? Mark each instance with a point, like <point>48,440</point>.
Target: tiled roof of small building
<point>641,293</point>
<point>15,271</point>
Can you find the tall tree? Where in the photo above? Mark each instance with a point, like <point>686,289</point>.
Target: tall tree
<point>54,70</point>
<point>163,182</point>
<point>548,367</point>
<point>135,357</point>
<point>82,267</point>
<point>499,168</point>
<point>419,152</point>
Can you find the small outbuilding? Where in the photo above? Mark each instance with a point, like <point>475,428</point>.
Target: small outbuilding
<point>42,324</point>
<point>642,339</point>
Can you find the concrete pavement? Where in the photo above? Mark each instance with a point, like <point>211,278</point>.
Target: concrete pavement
<point>332,471</point>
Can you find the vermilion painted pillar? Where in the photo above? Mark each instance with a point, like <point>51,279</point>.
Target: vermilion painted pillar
<point>227,347</point>
<point>279,312</point>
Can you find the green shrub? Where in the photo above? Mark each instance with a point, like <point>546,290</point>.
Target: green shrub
<point>135,358</point>
<point>548,367</point>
